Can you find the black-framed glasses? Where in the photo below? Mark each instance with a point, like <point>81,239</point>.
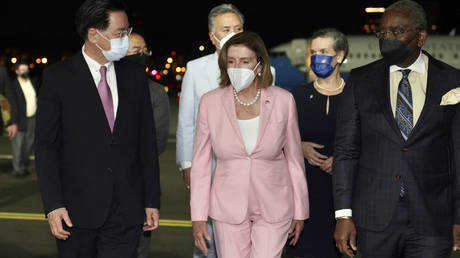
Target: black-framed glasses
<point>395,31</point>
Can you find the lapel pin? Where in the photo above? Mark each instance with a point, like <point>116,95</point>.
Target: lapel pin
<point>311,96</point>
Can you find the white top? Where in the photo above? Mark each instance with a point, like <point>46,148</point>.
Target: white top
<point>249,130</point>
<point>111,77</point>
<point>30,95</point>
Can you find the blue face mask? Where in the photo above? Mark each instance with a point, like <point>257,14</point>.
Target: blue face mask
<point>322,65</point>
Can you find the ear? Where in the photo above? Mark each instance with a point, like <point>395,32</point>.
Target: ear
<point>340,56</point>
<point>92,35</point>
<point>422,38</point>
<point>213,39</point>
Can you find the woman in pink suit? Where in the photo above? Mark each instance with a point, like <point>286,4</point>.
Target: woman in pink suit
<point>258,196</point>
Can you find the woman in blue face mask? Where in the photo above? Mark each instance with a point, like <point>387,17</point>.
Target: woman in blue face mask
<point>316,106</point>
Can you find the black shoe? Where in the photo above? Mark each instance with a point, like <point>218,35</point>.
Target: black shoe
<point>17,173</point>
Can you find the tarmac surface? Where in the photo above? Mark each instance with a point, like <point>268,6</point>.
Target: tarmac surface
<point>24,232</point>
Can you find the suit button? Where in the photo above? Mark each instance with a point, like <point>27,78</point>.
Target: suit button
<point>404,149</point>
<point>109,170</point>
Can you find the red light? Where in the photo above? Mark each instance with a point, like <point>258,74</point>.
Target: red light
<point>173,53</point>
<point>157,76</point>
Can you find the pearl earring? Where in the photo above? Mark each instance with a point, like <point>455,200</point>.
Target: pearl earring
<point>259,74</point>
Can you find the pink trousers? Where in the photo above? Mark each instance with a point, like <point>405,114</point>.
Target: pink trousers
<point>254,238</point>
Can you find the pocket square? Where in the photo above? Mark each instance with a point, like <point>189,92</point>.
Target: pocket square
<point>451,98</point>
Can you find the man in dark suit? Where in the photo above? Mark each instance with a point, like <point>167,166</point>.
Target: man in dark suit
<point>96,154</point>
<point>25,93</point>
<point>396,172</point>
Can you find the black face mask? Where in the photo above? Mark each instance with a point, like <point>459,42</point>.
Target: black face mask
<point>138,58</point>
<point>24,75</point>
<point>393,51</point>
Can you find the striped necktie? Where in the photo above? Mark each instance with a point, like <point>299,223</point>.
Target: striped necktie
<point>404,113</point>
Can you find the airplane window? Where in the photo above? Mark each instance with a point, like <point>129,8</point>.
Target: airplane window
<point>365,55</point>
<point>350,55</point>
<point>358,55</point>
<point>441,56</point>
<point>373,55</point>
<point>456,56</point>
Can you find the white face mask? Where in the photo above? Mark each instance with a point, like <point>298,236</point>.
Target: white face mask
<point>224,39</point>
<point>241,78</point>
<point>118,48</point>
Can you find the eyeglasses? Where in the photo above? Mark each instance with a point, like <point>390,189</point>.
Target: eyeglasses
<point>123,33</point>
<point>395,31</point>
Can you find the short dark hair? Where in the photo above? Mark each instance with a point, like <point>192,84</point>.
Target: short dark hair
<point>255,43</point>
<point>16,65</point>
<point>96,14</point>
<point>414,10</point>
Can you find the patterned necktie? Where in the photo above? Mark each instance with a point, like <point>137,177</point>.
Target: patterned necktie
<point>106,97</point>
<point>404,113</point>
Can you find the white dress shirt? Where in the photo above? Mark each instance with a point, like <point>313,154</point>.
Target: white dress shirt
<point>30,95</point>
<point>111,77</point>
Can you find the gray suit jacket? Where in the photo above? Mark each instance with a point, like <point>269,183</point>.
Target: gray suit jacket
<point>160,107</point>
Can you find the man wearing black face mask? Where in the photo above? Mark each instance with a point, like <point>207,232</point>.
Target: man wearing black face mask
<point>25,92</point>
<point>138,53</point>
<point>396,172</point>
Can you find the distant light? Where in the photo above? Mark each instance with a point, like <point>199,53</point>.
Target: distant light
<point>167,66</point>
<point>183,69</point>
<point>157,76</point>
<point>14,60</point>
<point>169,60</point>
<point>178,70</point>
<point>44,60</point>
<point>38,60</point>
<point>32,66</point>
<point>173,53</point>
<point>434,27</point>
<point>165,72</point>
<point>147,69</point>
<point>154,72</point>
<point>374,9</point>
<point>166,89</point>
<point>201,48</point>
<point>178,77</point>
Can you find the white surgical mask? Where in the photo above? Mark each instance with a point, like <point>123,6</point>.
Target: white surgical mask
<point>224,39</point>
<point>118,48</point>
<point>241,78</point>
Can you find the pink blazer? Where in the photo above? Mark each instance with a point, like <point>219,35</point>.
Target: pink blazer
<point>275,168</point>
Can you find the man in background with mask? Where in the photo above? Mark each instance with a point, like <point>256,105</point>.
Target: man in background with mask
<point>139,54</point>
<point>201,76</point>
<point>25,96</point>
<point>96,152</point>
<point>396,171</point>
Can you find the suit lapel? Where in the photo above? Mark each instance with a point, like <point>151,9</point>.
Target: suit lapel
<point>229,106</point>
<point>89,90</point>
<point>432,97</point>
<point>266,106</point>
<point>122,81</point>
<point>384,97</point>
<point>213,75</point>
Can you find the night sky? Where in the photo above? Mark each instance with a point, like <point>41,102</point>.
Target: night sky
<point>46,27</point>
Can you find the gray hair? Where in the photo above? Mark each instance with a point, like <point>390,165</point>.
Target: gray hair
<point>221,9</point>
<point>414,10</point>
<point>340,40</point>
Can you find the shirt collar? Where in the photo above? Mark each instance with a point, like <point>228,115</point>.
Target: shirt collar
<point>92,64</point>
<point>417,66</point>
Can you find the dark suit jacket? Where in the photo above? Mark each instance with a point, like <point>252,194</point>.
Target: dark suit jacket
<point>21,105</point>
<point>80,163</point>
<point>7,91</point>
<point>371,157</point>
<point>160,105</point>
